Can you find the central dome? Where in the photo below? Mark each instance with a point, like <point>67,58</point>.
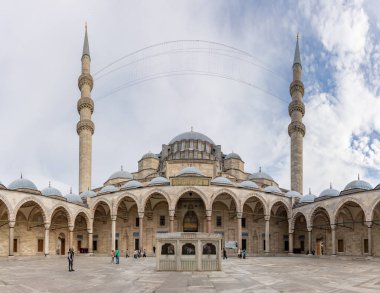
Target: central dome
<point>192,135</point>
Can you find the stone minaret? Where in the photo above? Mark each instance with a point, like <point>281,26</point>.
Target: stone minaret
<point>296,128</point>
<point>85,127</point>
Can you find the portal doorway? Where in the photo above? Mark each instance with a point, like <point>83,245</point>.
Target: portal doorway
<point>319,247</point>
<point>61,244</point>
<point>190,222</point>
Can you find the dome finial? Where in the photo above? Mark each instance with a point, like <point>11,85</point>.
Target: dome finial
<point>49,184</point>
<point>21,175</point>
<point>309,190</point>
<point>192,129</point>
<point>71,190</point>
<point>260,169</point>
<point>330,185</point>
<point>121,167</point>
<point>358,177</point>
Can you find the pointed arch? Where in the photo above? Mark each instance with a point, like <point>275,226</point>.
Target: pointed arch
<point>285,203</point>
<point>86,217</point>
<point>8,207</point>
<point>342,202</point>
<point>373,206</point>
<point>230,193</point>
<point>36,201</point>
<point>317,208</point>
<point>120,199</point>
<point>260,198</point>
<point>294,218</point>
<point>95,204</point>
<point>148,194</point>
<point>197,191</point>
<point>67,212</point>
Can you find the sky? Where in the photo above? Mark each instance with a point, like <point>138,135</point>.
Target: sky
<point>243,106</point>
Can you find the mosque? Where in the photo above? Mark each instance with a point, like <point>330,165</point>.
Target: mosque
<point>190,186</point>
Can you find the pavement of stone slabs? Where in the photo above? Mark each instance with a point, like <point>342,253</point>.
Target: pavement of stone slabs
<point>255,274</point>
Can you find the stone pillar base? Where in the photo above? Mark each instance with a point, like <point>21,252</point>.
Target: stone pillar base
<point>290,254</point>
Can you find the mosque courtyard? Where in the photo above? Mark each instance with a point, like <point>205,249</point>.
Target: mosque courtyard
<point>255,274</point>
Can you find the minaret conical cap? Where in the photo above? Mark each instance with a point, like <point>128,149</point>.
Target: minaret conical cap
<point>86,47</point>
<point>297,55</point>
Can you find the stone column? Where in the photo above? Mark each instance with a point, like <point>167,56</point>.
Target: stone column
<point>171,221</point>
<point>333,240</point>
<point>90,242</point>
<point>267,232</point>
<point>239,216</point>
<point>141,230</point>
<point>309,239</point>
<point>290,243</point>
<point>209,218</point>
<point>11,236</point>
<point>71,237</point>
<point>369,238</point>
<point>113,232</point>
<point>46,240</point>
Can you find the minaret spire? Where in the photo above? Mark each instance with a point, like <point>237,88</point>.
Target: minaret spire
<point>296,128</point>
<point>85,126</point>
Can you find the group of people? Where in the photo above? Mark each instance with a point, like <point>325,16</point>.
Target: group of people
<point>240,253</point>
<point>115,255</point>
<point>138,253</point>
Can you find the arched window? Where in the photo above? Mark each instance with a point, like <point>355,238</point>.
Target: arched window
<point>167,249</point>
<point>188,249</point>
<point>209,248</point>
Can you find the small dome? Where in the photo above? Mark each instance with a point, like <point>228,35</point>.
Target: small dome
<point>260,175</point>
<point>271,189</point>
<point>159,181</point>
<point>292,193</point>
<point>51,191</point>
<point>132,184</point>
<point>108,188</point>
<point>329,192</point>
<point>233,156</point>
<point>191,135</point>
<point>22,183</point>
<point>149,156</point>
<point>88,193</point>
<point>308,198</point>
<point>190,171</point>
<point>248,184</point>
<point>221,181</point>
<point>121,174</point>
<point>358,184</point>
<point>72,197</point>
<point>2,186</point>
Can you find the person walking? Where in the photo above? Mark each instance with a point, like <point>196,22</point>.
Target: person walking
<point>126,253</point>
<point>117,255</point>
<point>70,258</point>
<point>224,253</point>
<point>144,253</point>
<point>112,257</point>
<point>244,253</point>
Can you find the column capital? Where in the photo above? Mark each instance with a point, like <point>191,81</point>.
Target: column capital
<point>291,231</point>
<point>309,229</point>
<point>141,215</point>
<point>47,226</point>
<point>208,213</point>
<point>89,231</point>
<point>12,224</point>
<point>71,228</point>
<point>113,218</point>
<point>369,224</point>
<point>333,226</point>
<point>266,217</point>
<point>171,213</point>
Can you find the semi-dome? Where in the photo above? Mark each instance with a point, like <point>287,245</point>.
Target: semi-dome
<point>271,188</point>
<point>72,197</point>
<point>149,155</point>
<point>51,191</point>
<point>190,171</point>
<point>159,181</point>
<point>88,193</point>
<point>232,156</point>
<point>22,183</point>
<point>221,181</point>
<point>132,184</point>
<point>308,198</point>
<point>293,193</point>
<point>121,174</point>
<point>260,175</point>
<point>192,135</point>
<point>108,188</point>
<point>358,184</point>
<point>248,184</point>
<point>329,192</point>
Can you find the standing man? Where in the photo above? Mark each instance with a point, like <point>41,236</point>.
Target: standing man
<point>70,257</point>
